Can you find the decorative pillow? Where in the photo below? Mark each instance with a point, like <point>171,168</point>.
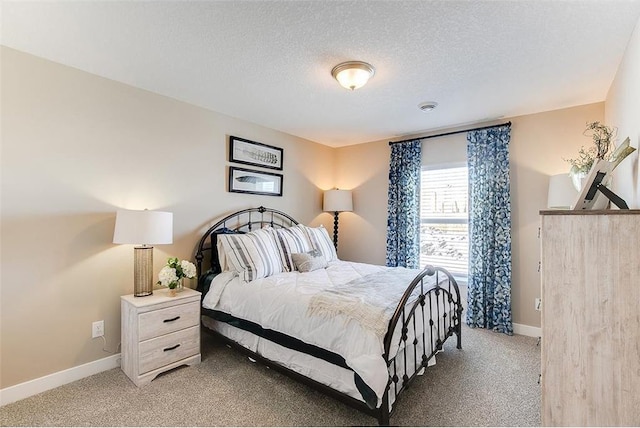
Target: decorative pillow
<point>319,238</point>
<point>218,256</point>
<point>291,240</point>
<point>253,255</point>
<point>309,261</point>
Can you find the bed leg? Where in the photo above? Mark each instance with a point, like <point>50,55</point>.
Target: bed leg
<point>383,418</point>
<point>459,329</point>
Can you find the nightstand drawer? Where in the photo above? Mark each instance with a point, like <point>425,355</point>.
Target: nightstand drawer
<point>163,321</point>
<point>167,349</point>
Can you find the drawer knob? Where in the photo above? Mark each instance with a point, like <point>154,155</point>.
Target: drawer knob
<point>171,348</point>
<point>172,319</point>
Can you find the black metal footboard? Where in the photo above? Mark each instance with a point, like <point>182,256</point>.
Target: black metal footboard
<point>426,316</point>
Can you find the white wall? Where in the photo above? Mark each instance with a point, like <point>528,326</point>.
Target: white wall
<point>77,147</point>
<point>622,109</point>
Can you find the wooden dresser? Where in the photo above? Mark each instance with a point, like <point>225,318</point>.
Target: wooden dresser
<point>159,333</point>
<point>590,318</point>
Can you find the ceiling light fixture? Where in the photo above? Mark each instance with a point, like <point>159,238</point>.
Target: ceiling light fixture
<point>353,74</point>
<point>427,106</point>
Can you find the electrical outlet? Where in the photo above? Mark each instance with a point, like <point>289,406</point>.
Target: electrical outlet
<point>97,329</point>
<point>538,304</point>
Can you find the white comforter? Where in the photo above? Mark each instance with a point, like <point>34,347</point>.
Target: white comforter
<point>281,303</point>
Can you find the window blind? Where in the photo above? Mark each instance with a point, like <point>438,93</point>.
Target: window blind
<point>444,210</point>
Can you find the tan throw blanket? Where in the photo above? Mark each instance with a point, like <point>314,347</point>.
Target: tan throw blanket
<point>370,300</point>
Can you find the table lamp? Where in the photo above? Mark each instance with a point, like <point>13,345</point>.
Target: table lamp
<point>562,194</point>
<point>143,228</point>
<point>337,201</point>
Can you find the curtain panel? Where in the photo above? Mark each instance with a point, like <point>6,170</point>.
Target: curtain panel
<point>403,222</point>
<point>489,282</point>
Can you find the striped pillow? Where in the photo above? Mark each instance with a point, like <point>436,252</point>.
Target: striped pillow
<point>320,240</point>
<point>291,240</point>
<point>253,255</point>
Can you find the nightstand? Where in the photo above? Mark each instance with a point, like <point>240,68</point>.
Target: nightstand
<point>159,333</point>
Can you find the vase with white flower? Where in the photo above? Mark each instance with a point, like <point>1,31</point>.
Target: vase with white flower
<point>603,146</point>
<point>174,272</point>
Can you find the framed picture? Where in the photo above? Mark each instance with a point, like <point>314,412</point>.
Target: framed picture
<point>253,153</point>
<point>243,180</point>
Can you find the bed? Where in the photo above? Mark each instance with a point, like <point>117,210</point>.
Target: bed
<point>275,290</point>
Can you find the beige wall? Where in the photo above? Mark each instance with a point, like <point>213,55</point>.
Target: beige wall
<point>622,109</point>
<point>539,143</point>
<point>75,148</point>
<point>364,168</point>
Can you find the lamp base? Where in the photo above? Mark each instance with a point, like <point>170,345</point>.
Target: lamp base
<point>143,271</point>
<point>335,229</point>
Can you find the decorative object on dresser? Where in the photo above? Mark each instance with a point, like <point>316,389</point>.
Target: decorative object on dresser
<point>591,170</point>
<point>253,153</point>
<point>602,136</point>
<point>326,327</point>
<point>159,333</point>
<point>337,201</point>
<point>243,180</point>
<point>172,274</point>
<point>590,325</point>
<point>595,184</point>
<point>143,228</point>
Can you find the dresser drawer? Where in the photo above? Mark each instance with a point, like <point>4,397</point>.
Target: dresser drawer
<point>167,349</point>
<point>163,321</point>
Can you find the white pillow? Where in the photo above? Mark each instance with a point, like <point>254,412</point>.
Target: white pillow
<point>319,238</point>
<point>309,261</point>
<point>253,255</point>
<point>291,240</point>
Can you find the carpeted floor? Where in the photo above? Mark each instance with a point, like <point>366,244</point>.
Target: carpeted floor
<point>492,381</point>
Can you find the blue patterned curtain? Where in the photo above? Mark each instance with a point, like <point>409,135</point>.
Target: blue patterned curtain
<point>489,286</point>
<point>403,223</point>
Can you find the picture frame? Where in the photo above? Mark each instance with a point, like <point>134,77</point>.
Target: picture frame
<point>242,180</point>
<point>253,153</point>
<point>595,195</point>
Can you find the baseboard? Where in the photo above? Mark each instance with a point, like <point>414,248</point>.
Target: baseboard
<point>54,380</point>
<point>527,330</point>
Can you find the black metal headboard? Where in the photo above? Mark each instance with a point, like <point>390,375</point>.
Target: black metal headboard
<point>238,222</point>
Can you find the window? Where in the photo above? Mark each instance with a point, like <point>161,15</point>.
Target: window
<point>444,215</point>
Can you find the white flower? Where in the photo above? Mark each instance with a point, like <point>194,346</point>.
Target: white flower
<point>188,268</point>
<point>171,275</point>
<point>167,275</point>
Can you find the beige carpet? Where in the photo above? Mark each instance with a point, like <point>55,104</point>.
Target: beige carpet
<point>491,382</point>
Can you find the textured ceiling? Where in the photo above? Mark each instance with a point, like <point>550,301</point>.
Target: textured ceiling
<point>269,62</point>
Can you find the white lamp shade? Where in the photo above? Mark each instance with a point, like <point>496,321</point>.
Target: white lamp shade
<point>562,194</point>
<point>143,227</point>
<point>337,200</point>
